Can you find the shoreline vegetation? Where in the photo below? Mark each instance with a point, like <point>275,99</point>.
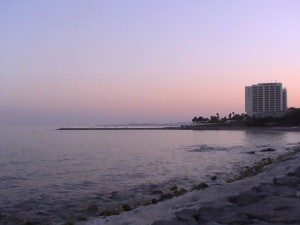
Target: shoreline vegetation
<point>288,121</point>
<point>264,193</point>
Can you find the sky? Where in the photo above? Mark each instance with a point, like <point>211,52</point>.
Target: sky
<point>73,62</point>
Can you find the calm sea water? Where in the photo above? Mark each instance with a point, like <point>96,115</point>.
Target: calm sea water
<point>49,175</point>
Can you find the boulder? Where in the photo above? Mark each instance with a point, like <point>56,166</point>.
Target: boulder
<point>213,178</point>
<point>180,191</point>
<point>173,222</point>
<point>200,186</point>
<point>109,212</point>
<point>126,207</point>
<point>297,172</point>
<point>80,218</point>
<point>92,208</point>
<point>207,214</point>
<point>274,210</point>
<point>251,152</point>
<point>174,188</point>
<point>266,189</point>
<point>154,201</point>
<point>187,215</point>
<point>289,181</point>
<point>165,197</point>
<point>156,192</point>
<point>246,198</point>
<point>68,223</point>
<point>29,222</point>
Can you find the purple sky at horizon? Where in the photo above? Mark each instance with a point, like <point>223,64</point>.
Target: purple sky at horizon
<point>71,62</point>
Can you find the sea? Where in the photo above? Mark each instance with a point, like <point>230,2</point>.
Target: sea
<point>50,176</point>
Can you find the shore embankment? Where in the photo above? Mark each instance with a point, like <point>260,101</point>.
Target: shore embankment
<point>266,193</point>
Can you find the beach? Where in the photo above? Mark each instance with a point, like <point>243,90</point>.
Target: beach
<point>269,197</point>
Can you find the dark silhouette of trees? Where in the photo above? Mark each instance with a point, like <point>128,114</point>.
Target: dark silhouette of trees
<point>290,118</point>
<point>195,120</point>
<point>232,117</point>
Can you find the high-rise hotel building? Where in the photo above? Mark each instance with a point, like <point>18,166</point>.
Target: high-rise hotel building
<point>265,98</point>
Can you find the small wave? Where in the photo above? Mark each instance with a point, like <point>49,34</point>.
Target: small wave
<point>204,148</point>
<point>11,178</point>
<point>262,146</point>
<point>62,160</point>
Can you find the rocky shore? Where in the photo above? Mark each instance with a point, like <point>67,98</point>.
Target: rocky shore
<point>267,193</point>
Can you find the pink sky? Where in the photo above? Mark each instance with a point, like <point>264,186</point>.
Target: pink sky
<point>100,62</point>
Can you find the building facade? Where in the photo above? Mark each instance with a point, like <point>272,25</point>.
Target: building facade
<point>265,99</point>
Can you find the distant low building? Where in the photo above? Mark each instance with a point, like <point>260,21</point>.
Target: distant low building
<point>265,99</point>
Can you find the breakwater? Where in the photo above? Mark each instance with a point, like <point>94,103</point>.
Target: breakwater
<point>119,128</point>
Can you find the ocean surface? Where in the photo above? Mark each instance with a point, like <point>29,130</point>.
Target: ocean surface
<point>50,176</point>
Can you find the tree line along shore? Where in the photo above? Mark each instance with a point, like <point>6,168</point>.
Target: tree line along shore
<point>289,119</point>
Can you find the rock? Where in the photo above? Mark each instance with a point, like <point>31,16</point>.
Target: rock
<point>207,214</point>
<point>156,192</point>
<point>69,223</point>
<point>179,192</point>
<point>114,195</point>
<point>126,207</point>
<point>265,190</point>
<point>223,215</point>
<point>109,212</point>
<point>81,218</point>
<point>211,223</point>
<point>154,201</point>
<point>251,152</point>
<point>174,188</point>
<point>266,160</point>
<point>173,222</point>
<point>297,172</point>
<point>187,215</point>
<point>165,197</point>
<point>287,181</point>
<point>92,208</point>
<point>268,150</point>
<point>142,202</point>
<point>298,194</point>
<point>245,198</point>
<point>29,222</point>
<point>282,207</point>
<point>200,186</point>
<point>287,210</point>
<point>147,203</point>
<point>162,222</point>
<point>259,222</point>
<point>213,178</point>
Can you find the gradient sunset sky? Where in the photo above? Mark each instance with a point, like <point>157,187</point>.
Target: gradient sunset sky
<point>71,62</point>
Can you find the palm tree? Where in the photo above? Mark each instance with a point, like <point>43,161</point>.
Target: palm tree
<point>195,120</point>
<point>200,118</point>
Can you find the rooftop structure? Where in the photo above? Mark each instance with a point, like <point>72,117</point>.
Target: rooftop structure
<point>267,99</point>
